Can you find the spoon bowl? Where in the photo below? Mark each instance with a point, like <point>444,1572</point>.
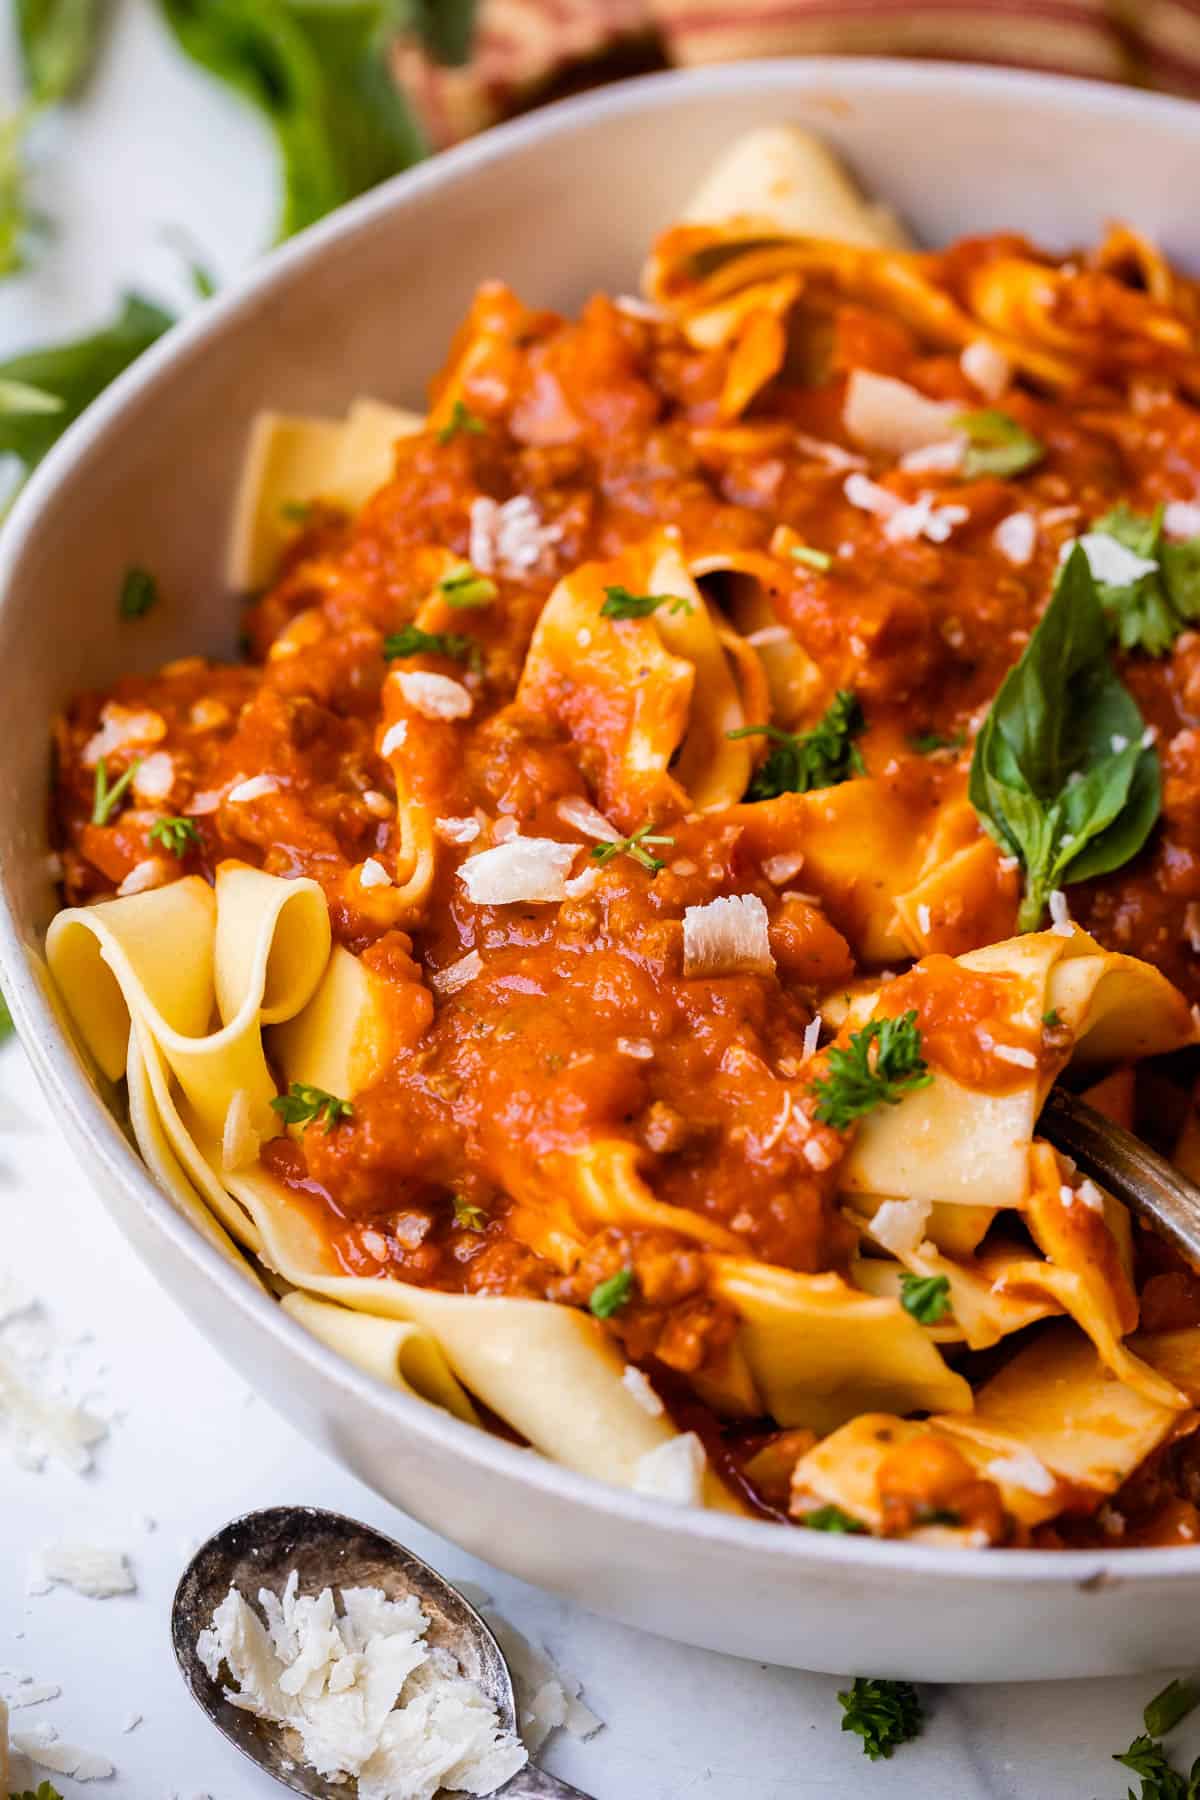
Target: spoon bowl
<point>326,1549</point>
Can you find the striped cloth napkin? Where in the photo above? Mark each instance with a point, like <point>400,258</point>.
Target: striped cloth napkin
<point>528,50</point>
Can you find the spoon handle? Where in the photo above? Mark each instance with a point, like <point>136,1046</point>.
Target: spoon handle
<point>1127,1167</point>
<point>535,1784</point>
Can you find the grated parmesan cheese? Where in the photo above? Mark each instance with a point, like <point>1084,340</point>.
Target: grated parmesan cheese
<point>639,1386</point>
<point>673,1471</point>
<point>457,831</point>
<point>123,728</point>
<point>457,974</point>
<point>1015,1054</point>
<point>939,459</point>
<point>923,519</point>
<point>150,873</point>
<point>377,804</point>
<point>154,777</point>
<point>1021,1468</point>
<point>1181,519</point>
<point>726,937</point>
<point>511,538</point>
<point>88,1568</point>
<point>779,870</point>
<point>45,1748</point>
<point>890,416</point>
<point>1016,538</point>
<point>254,789</point>
<point>582,816</point>
<point>641,1049</point>
<point>899,1225</point>
<point>372,874</point>
<point>523,869</point>
<point>1090,1196</point>
<point>986,368</point>
<point>434,696</point>
<point>393,737</point>
<point>364,1691</point>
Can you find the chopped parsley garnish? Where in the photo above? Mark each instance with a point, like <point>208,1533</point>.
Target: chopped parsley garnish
<point>472,1217</point>
<point>296,512</point>
<point>303,1105</point>
<point>461,421</point>
<point>634,846</point>
<point>1149,612</point>
<point>883,1714</point>
<point>832,1518</point>
<point>996,444</point>
<point>1175,1702</point>
<point>410,640</point>
<point>925,1297</point>
<point>619,603</point>
<point>105,798</point>
<point>859,1081</point>
<point>926,742</point>
<point>823,757</point>
<point>467,587</point>
<point>1159,1780</point>
<point>175,834</point>
<point>610,1296</point>
<point>812,559</point>
<point>1051,1019</point>
<point>139,592</point>
<point>1061,777</point>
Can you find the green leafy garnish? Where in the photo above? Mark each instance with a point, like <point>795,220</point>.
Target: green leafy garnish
<point>1149,612</point>
<point>1173,1703</point>
<point>410,640</point>
<point>175,834</point>
<point>105,798</point>
<point>1061,778</point>
<point>635,846</point>
<point>6,1020</point>
<point>823,757</point>
<point>304,1104</point>
<point>610,1296</point>
<point>925,1297</point>
<point>813,559</point>
<point>619,603</point>
<point>883,1714</point>
<point>465,586</point>
<point>44,1792</point>
<point>139,592</point>
<point>1051,1019</point>
<point>73,374</point>
<point>832,1518</point>
<point>318,71</point>
<point>461,420</point>
<point>1159,1780</point>
<point>996,444</point>
<point>472,1217</point>
<point>879,1065</point>
<point>926,742</point>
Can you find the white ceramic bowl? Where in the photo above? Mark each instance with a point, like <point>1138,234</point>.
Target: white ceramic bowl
<point>559,204</point>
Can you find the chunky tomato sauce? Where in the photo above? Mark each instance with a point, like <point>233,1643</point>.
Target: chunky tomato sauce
<point>580,1026</point>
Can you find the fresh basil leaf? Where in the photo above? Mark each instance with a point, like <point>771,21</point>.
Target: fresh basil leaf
<point>317,69</point>
<point>73,374</point>
<point>58,41</point>
<point>1149,612</point>
<point>1060,777</point>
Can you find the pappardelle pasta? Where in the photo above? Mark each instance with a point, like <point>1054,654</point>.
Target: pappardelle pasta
<point>601,956</point>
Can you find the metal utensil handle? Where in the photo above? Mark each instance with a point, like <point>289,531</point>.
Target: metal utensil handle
<point>534,1784</point>
<point>1139,1176</point>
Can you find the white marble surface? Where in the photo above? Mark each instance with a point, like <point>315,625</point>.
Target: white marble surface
<point>156,145</point>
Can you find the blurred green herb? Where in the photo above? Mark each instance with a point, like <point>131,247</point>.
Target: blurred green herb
<point>57,41</point>
<point>6,1020</point>
<point>832,1518</point>
<point>1170,1705</point>
<point>139,592</point>
<point>610,1296</point>
<point>882,1713</point>
<point>926,1298</point>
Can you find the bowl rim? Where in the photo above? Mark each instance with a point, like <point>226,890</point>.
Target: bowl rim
<point>63,1071</point>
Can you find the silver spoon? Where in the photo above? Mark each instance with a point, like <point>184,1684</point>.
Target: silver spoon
<point>1131,1170</point>
<point>328,1550</point>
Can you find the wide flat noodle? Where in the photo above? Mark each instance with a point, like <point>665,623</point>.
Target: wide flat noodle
<point>403,1355</point>
<point>784,177</point>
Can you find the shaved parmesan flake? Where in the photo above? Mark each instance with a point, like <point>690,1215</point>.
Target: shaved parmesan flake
<point>726,937</point>
<point>887,415</point>
<point>154,777</point>
<point>377,804</point>
<point>1022,1469</point>
<point>986,368</point>
<point>433,696</point>
<point>363,1691</point>
<point>88,1568</point>
<point>393,737</point>
<point>546,1696</point>
<point>639,1386</point>
<point>123,728</point>
<point>1181,519</point>
<point>779,870</point>
<point>373,874</point>
<point>457,974</point>
<point>240,1143</point>
<point>832,455</point>
<point>529,869</point>
<point>150,873</point>
<point>254,789</point>
<point>817,1156</point>
<point>1060,916</point>
<point>812,1035</point>
<point>641,1049</point>
<point>1013,1053</point>
<point>673,1471</point>
<point>1091,1197</point>
<point>1110,562</point>
<point>582,816</point>
<point>899,1225</point>
<point>923,519</point>
<point>510,538</point>
<point>457,831</point>
<point>49,1752</point>
<point>941,459</point>
<point>205,802</point>
<point>868,496</point>
<point>1016,538</point>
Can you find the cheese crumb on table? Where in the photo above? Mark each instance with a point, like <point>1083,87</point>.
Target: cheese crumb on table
<point>88,1568</point>
<point>363,1691</point>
